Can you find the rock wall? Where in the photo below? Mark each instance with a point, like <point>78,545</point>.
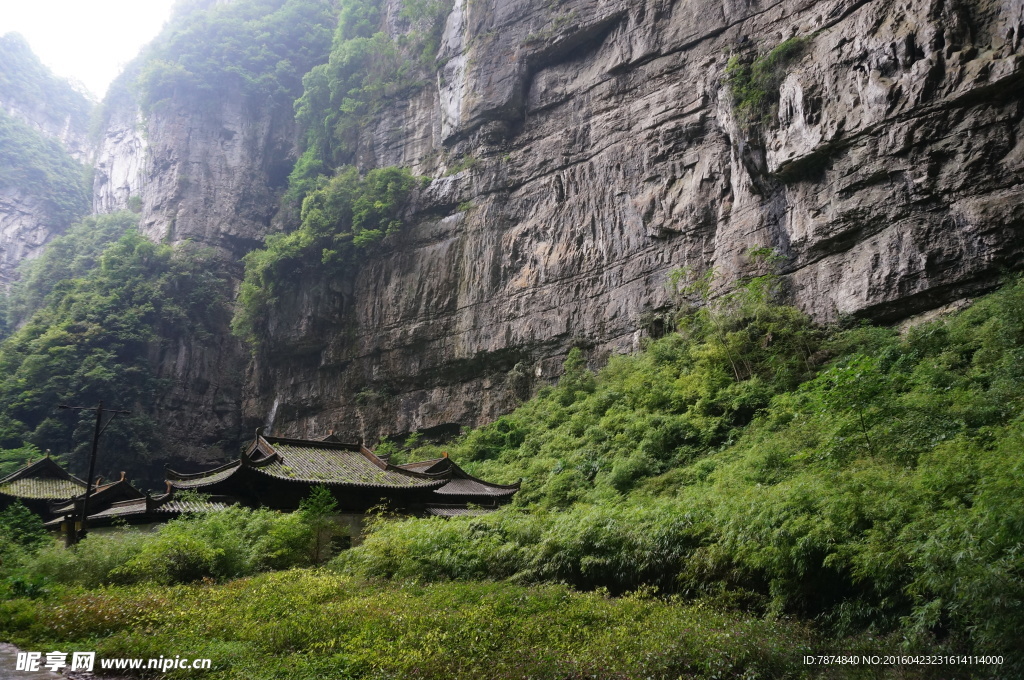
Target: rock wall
<point>122,160</point>
<point>607,155</point>
<point>600,152</point>
<point>52,109</point>
<point>25,227</point>
<point>215,176</point>
<point>210,175</point>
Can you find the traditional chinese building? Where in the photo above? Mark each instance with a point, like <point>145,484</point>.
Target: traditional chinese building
<point>38,485</point>
<point>278,473</point>
<point>148,510</point>
<point>69,513</point>
<point>462,494</point>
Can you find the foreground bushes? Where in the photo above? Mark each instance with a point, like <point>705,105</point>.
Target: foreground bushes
<point>220,546</point>
<point>308,624</point>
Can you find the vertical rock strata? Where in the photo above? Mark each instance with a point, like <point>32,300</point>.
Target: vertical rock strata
<point>607,155</point>
<point>44,111</point>
<point>600,152</point>
<point>212,177</point>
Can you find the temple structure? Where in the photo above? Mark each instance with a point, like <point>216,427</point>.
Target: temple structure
<point>462,494</point>
<point>278,473</point>
<point>272,472</point>
<point>147,510</point>
<point>38,485</point>
<point>68,513</point>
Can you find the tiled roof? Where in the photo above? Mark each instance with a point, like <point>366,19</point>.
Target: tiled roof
<point>335,466</point>
<point>138,506</point>
<point>99,494</point>
<point>213,476</point>
<point>44,479</point>
<point>56,489</point>
<point>475,487</point>
<point>462,483</point>
<point>315,462</point>
<point>163,505</point>
<point>455,511</point>
<point>423,465</point>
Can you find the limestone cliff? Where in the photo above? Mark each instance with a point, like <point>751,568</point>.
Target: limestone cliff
<point>212,177</point>
<point>579,152</point>
<point>44,137</point>
<point>607,154</point>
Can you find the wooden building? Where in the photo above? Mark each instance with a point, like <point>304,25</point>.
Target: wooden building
<point>147,510</point>
<point>69,513</point>
<point>462,494</point>
<point>278,473</point>
<point>38,485</point>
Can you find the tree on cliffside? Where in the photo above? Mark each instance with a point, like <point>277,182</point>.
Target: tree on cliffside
<point>92,333</point>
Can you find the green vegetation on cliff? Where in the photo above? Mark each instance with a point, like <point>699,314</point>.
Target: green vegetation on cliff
<point>36,170</point>
<point>342,216</point>
<point>754,83</point>
<point>367,68</point>
<point>259,48</point>
<point>31,87</point>
<point>96,310</point>
<point>39,168</point>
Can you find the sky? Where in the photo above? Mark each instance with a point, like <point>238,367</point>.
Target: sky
<point>88,41</point>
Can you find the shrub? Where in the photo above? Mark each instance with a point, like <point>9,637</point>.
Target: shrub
<point>754,85</point>
<point>315,624</point>
<point>21,526</point>
<point>874,492</point>
<point>90,563</point>
<point>218,545</point>
<point>344,215</point>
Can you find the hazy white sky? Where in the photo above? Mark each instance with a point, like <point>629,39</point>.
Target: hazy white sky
<point>85,40</point>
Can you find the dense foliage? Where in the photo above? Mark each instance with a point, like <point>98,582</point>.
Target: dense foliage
<point>39,168</point>
<point>219,545</point>
<point>882,493</point>
<point>11,460</point>
<point>259,48</point>
<point>367,67</point>
<point>342,216</point>
<point>865,480</point>
<point>70,256</point>
<point>96,309</point>
<point>301,625</point>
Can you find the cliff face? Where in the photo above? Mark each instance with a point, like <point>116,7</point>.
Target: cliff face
<point>44,136</point>
<point>212,177</point>
<point>607,154</point>
<point>25,227</point>
<point>600,150</point>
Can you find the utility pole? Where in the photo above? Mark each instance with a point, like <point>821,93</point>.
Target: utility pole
<point>79,534</point>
